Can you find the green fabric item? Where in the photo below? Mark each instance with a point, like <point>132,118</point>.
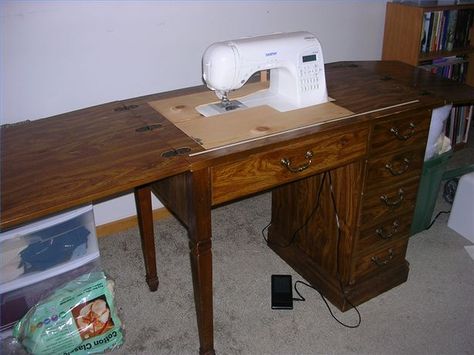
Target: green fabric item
<point>80,317</point>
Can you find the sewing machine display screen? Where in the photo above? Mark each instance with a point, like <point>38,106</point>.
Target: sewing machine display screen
<point>309,58</point>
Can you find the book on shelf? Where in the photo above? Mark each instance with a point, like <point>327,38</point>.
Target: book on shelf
<point>446,30</point>
<point>452,67</point>
<point>459,123</point>
<point>425,32</point>
<point>452,18</point>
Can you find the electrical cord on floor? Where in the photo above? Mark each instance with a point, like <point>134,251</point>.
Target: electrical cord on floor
<point>436,217</point>
<point>293,238</point>
<point>264,229</point>
<point>301,298</point>
<point>295,234</point>
<point>338,275</point>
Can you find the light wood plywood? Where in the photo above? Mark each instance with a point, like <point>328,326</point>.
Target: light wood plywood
<point>240,125</point>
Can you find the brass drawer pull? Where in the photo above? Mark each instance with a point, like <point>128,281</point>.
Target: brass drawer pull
<point>381,233</point>
<point>404,167</point>
<point>400,136</point>
<point>389,203</point>
<point>287,163</point>
<point>379,262</point>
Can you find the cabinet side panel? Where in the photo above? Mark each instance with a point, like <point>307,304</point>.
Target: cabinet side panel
<point>402,35</point>
<point>304,219</point>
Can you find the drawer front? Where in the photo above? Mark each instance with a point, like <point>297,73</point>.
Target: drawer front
<point>383,233</point>
<point>388,201</point>
<point>390,255</point>
<point>394,168</point>
<point>401,133</point>
<point>264,170</point>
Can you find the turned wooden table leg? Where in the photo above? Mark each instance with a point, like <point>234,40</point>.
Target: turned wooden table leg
<point>145,223</point>
<point>199,228</point>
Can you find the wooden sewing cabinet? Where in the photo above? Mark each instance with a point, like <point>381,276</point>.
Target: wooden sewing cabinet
<point>362,158</point>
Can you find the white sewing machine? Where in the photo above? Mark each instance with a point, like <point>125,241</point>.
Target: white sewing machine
<point>296,68</point>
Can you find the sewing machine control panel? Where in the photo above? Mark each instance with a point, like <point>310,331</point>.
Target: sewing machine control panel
<point>309,73</point>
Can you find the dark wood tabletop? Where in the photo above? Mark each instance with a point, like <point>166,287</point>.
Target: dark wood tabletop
<point>54,164</point>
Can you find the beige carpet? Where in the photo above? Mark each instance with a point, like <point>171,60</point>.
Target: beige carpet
<point>432,313</point>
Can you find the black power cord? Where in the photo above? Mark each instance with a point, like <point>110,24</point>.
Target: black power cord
<point>359,320</point>
<point>338,275</point>
<point>449,192</point>
<point>293,238</point>
<point>436,217</point>
<point>295,234</point>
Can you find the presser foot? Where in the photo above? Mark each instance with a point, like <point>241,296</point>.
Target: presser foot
<point>229,105</point>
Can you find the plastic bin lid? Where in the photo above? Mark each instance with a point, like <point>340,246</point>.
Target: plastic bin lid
<point>44,223</point>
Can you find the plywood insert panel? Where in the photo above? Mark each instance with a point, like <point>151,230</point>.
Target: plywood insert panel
<point>241,125</point>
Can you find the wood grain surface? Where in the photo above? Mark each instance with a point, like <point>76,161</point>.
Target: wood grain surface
<point>375,210</point>
<point>392,254</point>
<point>62,162</point>
<point>379,235</point>
<point>240,125</point>
<point>262,171</point>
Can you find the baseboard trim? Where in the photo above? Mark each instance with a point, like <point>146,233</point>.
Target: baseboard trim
<point>120,225</point>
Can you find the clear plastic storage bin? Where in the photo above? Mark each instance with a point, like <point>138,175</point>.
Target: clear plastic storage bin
<point>16,303</point>
<point>40,256</point>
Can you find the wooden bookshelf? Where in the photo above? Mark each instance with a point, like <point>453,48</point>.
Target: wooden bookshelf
<point>404,27</point>
<point>419,34</point>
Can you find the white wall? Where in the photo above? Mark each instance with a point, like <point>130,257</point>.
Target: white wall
<point>59,56</point>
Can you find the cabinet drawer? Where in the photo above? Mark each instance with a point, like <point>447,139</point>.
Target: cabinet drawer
<point>388,201</point>
<point>264,170</point>
<point>390,255</point>
<point>401,133</point>
<point>383,233</point>
<point>393,168</point>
